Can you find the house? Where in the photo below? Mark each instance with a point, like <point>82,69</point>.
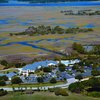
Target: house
<point>32,67</point>
<point>70,62</point>
<point>32,78</point>
<point>9,75</point>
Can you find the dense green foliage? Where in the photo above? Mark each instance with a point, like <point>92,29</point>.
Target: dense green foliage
<point>60,91</point>
<point>93,83</point>
<point>95,72</point>
<point>47,69</point>
<point>53,80</point>
<point>16,80</point>
<point>79,77</point>
<point>4,62</point>
<point>4,77</point>
<point>78,47</point>
<point>94,94</point>
<point>2,92</point>
<point>96,49</point>
<point>61,67</point>
<point>2,83</point>
<point>76,87</point>
<point>51,89</point>
<point>40,79</point>
<point>7,64</point>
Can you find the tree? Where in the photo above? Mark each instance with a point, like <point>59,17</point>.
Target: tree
<point>40,79</point>
<point>16,80</point>
<point>64,92</point>
<point>47,69</point>
<point>3,92</point>
<point>53,80</point>
<point>95,72</point>
<point>94,82</point>
<point>4,77</point>
<point>76,87</point>
<point>96,49</point>
<point>61,67</point>
<point>79,77</point>
<point>75,67</point>
<point>94,66</point>
<point>74,46</point>
<point>2,83</point>
<point>78,47</point>
<point>4,63</point>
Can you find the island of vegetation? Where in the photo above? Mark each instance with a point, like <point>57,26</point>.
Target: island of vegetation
<point>44,30</point>
<point>88,12</point>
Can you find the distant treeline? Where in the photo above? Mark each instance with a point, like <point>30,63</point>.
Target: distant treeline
<point>43,30</point>
<point>44,1</point>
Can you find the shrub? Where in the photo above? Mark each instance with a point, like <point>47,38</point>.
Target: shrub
<point>47,69</point>
<point>16,80</point>
<point>53,80</point>
<point>76,87</point>
<point>63,92</point>
<point>61,67</point>
<point>2,83</point>
<point>4,77</point>
<point>94,94</point>
<point>40,79</point>
<point>3,92</point>
<point>4,63</point>
<point>95,72</point>
<point>59,91</point>
<point>94,82</point>
<point>79,77</point>
<point>51,89</point>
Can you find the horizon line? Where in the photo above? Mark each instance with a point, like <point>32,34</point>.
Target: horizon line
<point>88,3</point>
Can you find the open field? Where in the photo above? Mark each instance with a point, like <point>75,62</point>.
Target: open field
<point>45,96</point>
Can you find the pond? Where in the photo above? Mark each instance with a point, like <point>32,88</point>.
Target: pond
<point>90,25</point>
<point>3,22</point>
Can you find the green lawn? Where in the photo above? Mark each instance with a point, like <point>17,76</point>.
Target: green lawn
<point>34,85</point>
<point>45,96</point>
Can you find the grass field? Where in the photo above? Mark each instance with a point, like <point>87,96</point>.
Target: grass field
<point>45,96</point>
<point>33,85</point>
